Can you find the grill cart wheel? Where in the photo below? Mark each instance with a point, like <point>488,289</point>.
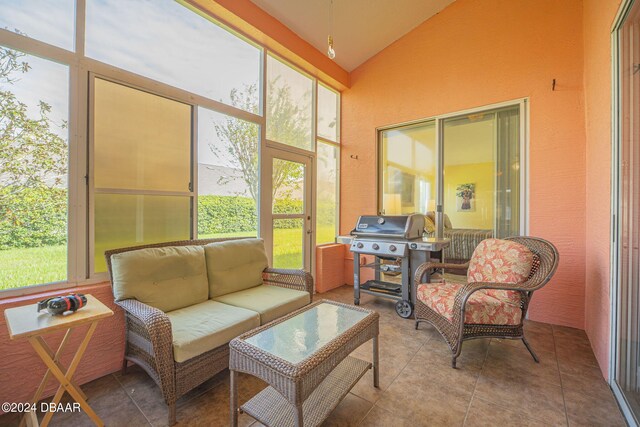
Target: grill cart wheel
<point>404,309</point>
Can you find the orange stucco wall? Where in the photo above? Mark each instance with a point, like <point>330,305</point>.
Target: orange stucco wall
<point>598,19</point>
<point>471,54</point>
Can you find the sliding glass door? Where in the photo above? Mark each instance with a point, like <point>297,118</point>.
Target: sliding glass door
<point>626,268</point>
<point>481,171</point>
<point>467,165</point>
<point>408,169</point>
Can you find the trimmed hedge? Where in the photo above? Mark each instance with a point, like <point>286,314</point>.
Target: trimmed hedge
<point>32,217</point>
<point>236,214</point>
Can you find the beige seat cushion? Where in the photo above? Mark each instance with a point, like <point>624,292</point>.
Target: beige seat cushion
<point>205,326</point>
<point>270,301</point>
<point>166,278</point>
<point>235,265</point>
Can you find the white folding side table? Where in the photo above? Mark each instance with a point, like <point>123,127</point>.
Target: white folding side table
<point>26,322</point>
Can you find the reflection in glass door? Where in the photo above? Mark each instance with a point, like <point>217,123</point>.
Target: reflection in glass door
<point>481,172</point>
<point>288,223</point>
<point>408,157</point>
<point>626,343</point>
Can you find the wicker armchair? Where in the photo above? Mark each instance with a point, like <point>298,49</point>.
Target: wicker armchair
<point>457,329</point>
<point>149,341</point>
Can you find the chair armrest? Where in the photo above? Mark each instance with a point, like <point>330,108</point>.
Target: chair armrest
<point>468,289</point>
<point>425,267</point>
<point>291,279</point>
<point>157,326</point>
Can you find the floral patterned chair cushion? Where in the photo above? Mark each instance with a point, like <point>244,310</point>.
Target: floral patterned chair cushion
<point>494,260</point>
<point>482,308</point>
<point>500,261</point>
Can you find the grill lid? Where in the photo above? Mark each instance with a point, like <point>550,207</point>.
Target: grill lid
<point>398,226</point>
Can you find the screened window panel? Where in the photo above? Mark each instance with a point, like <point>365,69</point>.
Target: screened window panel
<point>288,187</point>
<point>328,116</point>
<point>288,243</point>
<point>167,42</point>
<point>141,141</point>
<point>49,21</point>
<point>34,167</point>
<point>123,220</point>
<point>289,105</point>
<point>228,175</point>
<point>327,193</point>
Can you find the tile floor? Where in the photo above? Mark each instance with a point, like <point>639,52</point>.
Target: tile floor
<point>497,383</point>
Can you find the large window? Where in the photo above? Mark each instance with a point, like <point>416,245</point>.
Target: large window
<point>289,105</point>
<point>328,165</point>
<point>165,41</point>
<point>33,169</point>
<point>327,192</point>
<point>142,168</point>
<point>228,175</point>
<point>155,129</point>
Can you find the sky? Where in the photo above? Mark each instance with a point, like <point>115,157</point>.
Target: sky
<point>159,39</point>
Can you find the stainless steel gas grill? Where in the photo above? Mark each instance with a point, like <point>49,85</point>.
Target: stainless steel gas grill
<point>398,248</point>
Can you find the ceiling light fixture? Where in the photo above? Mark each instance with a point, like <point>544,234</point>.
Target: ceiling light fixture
<point>330,52</point>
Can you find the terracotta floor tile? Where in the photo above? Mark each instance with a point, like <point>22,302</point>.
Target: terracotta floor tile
<point>538,340</point>
<point>590,410</point>
<point>349,412</point>
<point>588,381</point>
<point>486,414</point>
<point>413,397</point>
<point>379,417</point>
<point>364,388</point>
<point>530,394</point>
<point>109,401</point>
<point>511,363</point>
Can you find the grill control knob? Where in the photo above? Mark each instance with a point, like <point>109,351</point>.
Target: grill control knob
<point>375,246</point>
<point>414,246</point>
<point>360,245</point>
<point>392,248</point>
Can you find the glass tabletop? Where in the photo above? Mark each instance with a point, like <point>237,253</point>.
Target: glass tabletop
<point>299,337</point>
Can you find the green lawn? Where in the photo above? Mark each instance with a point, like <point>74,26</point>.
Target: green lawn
<point>23,267</point>
<point>31,266</point>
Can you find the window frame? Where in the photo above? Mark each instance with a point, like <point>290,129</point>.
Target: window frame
<point>522,103</point>
<point>80,190</point>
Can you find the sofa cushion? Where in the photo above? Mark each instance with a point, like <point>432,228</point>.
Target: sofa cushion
<point>205,326</point>
<point>270,301</point>
<point>235,265</point>
<point>166,278</point>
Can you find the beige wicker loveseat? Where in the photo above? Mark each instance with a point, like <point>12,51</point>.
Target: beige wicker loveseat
<point>184,301</point>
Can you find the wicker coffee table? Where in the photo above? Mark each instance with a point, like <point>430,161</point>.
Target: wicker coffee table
<point>304,357</point>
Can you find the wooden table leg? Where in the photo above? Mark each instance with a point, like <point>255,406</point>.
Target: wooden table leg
<point>233,399</point>
<point>376,374</point>
<point>58,362</point>
<point>65,378</point>
<point>45,379</point>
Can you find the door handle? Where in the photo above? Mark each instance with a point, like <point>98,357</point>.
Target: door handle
<point>309,231</point>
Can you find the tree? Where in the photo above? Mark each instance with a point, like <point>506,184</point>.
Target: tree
<point>33,166</point>
<point>287,123</point>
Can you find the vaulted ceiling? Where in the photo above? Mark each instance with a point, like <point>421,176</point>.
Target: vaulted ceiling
<point>360,28</point>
